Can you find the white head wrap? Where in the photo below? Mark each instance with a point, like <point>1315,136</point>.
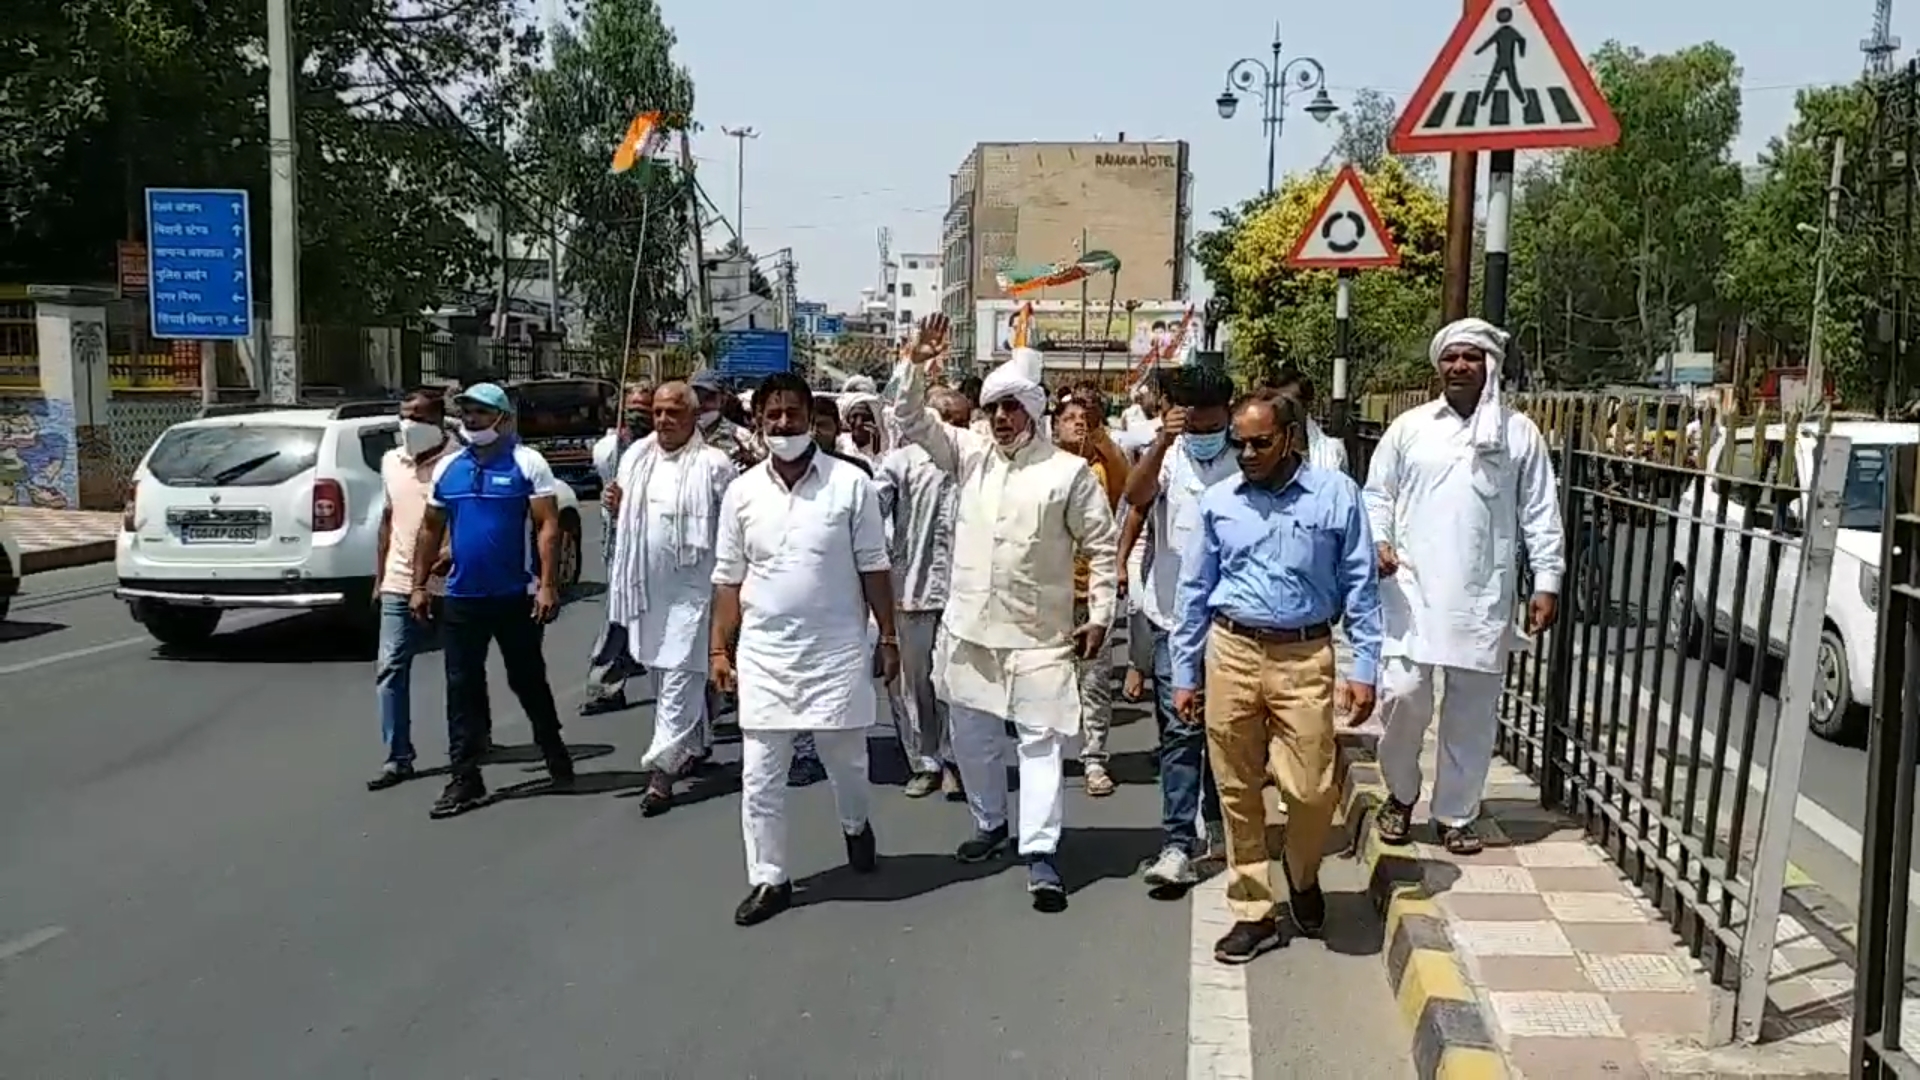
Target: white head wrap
<point>1488,426</point>
<point>852,400</point>
<point>1019,379</point>
<point>857,384</point>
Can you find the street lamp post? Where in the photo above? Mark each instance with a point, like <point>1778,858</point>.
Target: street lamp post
<point>1277,83</point>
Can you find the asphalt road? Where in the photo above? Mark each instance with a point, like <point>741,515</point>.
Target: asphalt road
<point>195,884</point>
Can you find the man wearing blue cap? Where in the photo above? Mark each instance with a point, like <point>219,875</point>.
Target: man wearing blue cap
<point>481,502</point>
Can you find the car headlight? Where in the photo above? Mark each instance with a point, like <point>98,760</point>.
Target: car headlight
<point>1870,586</point>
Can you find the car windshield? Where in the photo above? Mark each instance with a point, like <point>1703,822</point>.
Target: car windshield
<point>1864,499</point>
<point>558,409</point>
<point>233,455</point>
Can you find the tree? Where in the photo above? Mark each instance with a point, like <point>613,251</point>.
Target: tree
<point>1613,244</point>
<point>619,64</point>
<point>1282,314</point>
<point>115,96</point>
<point>1364,128</point>
<point>1773,240</point>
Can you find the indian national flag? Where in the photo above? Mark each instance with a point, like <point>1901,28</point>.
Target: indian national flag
<point>645,140</point>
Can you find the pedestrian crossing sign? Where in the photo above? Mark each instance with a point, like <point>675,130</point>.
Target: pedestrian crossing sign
<point>1508,78</point>
<point>1345,232</point>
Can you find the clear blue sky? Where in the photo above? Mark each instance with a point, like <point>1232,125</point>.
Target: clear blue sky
<point>863,108</point>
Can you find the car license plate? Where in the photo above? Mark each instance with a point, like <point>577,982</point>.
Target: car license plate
<point>218,534</point>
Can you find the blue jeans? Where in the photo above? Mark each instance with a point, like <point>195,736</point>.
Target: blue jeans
<point>402,637</point>
<point>1187,791</point>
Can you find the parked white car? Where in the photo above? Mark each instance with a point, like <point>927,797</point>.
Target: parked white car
<point>10,566</point>
<point>276,509</point>
<point>1843,687</point>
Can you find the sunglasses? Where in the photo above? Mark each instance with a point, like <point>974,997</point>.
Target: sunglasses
<point>1004,405</point>
<point>1259,444</point>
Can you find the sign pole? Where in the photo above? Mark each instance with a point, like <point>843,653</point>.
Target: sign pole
<point>1499,234</point>
<point>283,335</point>
<point>1342,337</point>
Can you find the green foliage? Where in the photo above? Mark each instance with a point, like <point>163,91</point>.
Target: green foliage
<point>1364,127</point>
<point>100,99</point>
<point>619,64</point>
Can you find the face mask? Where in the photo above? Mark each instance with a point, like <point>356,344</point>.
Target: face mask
<point>1205,446</point>
<point>640,424</point>
<point>485,436</point>
<point>419,438</point>
<point>709,418</point>
<point>789,447</point>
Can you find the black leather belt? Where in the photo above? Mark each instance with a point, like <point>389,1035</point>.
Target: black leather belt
<point>1268,635</point>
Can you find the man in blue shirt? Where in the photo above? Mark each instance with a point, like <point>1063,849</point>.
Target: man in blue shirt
<point>483,500</point>
<point>1280,552</point>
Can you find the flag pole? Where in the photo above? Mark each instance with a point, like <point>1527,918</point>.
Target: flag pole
<point>633,293</point>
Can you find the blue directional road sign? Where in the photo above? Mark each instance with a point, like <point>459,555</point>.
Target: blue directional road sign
<point>829,326</point>
<point>199,264</point>
<point>754,354</point>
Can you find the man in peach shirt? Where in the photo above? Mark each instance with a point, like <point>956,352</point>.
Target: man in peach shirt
<point>407,474</point>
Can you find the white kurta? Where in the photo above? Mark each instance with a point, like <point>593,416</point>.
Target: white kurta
<point>1453,514</point>
<point>1021,521</point>
<point>804,661</point>
<point>672,631</point>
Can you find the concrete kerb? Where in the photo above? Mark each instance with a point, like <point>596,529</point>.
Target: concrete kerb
<point>63,558</point>
<point>1452,1039</point>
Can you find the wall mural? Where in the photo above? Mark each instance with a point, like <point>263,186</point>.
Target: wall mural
<point>39,461</point>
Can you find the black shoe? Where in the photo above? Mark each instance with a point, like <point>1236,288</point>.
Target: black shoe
<point>560,768</point>
<point>863,853</point>
<point>395,774</point>
<point>1247,940</point>
<point>656,800</point>
<point>1395,822</point>
<point>983,846</point>
<point>491,754</point>
<point>462,793</point>
<point>1308,905</point>
<point>763,903</point>
<point>605,705</point>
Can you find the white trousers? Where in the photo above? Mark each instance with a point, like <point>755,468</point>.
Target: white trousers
<point>764,758</point>
<point>679,719</point>
<point>1469,724</point>
<point>979,742</point>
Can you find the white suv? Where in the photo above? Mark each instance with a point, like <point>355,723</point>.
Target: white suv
<point>1843,684</point>
<point>277,509</point>
<point>10,566</point>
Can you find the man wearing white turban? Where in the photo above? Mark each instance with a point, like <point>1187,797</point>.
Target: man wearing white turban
<point>1026,510</point>
<point>1448,489</point>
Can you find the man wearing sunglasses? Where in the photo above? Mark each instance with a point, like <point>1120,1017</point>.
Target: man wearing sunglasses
<point>1278,553</point>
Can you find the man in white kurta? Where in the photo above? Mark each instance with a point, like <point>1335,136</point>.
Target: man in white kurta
<point>1453,486</point>
<point>659,591</point>
<point>1027,509</point>
<point>802,562</point>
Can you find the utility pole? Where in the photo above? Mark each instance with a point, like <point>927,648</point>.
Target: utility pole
<point>283,369</point>
<point>702,297</point>
<point>740,135</point>
<point>1816,350</point>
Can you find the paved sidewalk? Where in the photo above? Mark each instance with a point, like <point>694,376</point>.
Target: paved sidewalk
<point>55,539</point>
<point>1537,959</point>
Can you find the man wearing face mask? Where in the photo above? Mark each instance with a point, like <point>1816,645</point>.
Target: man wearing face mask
<point>406,472</point>
<point>1276,553</point>
<point>667,498</point>
<point>1164,491</point>
<point>737,442</point>
<point>1448,489</point>
<point>612,663</point>
<point>482,502</point>
<point>1027,509</point>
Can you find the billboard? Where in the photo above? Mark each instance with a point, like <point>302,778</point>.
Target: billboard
<point>1113,336</point>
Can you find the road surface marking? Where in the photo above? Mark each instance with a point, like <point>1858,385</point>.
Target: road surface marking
<point>1816,819</point>
<point>1219,1036</point>
<point>26,943</point>
<point>73,654</point>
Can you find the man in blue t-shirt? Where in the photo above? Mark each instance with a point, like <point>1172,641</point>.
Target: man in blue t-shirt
<point>481,501</point>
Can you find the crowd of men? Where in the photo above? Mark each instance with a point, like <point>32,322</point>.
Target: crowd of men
<point>960,554</point>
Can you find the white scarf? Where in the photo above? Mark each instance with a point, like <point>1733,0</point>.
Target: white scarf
<point>692,541</point>
<point>1488,425</point>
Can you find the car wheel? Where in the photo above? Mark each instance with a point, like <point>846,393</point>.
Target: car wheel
<point>171,625</point>
<point>8,584</point>
<point>1682,633</point>
<point>1834,715</point>
<point>570,556</point>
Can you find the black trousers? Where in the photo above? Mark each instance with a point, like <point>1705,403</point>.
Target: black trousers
<point>469,626</point>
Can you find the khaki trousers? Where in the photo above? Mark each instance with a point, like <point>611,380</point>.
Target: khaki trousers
<point>1270,707</point>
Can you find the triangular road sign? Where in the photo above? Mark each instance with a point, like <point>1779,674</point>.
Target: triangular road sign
<point>1346,232</point>
<point>1508,79</point>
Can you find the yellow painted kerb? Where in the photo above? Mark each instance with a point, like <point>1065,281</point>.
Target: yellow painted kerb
<point>1470,1063</point>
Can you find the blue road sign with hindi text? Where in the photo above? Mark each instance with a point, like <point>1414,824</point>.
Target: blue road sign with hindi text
<point>199,266</point>
<point>754,353</point>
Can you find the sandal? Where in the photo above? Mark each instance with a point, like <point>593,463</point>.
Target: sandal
<point>1395,821</point>
<point>1460,840</point>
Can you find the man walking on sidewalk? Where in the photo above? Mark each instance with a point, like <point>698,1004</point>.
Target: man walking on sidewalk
<point>1278,552</point>
<point>481,504</point>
